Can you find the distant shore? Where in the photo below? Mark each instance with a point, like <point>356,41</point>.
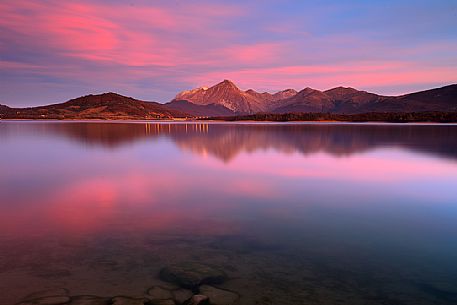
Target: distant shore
<point>375,117</point>
<point>413,117</point>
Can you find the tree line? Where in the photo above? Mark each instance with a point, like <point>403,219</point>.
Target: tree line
<point>441,117</point>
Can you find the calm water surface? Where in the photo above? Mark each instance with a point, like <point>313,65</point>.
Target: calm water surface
<point>294,213</point>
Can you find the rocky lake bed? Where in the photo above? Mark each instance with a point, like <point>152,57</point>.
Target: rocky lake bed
<point>206,271</point>
<point>184,284</point>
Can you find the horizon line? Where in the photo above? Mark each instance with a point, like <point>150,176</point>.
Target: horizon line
<point>269,92</point>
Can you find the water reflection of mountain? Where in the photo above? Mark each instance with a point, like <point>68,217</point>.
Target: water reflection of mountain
<point>226,141</point>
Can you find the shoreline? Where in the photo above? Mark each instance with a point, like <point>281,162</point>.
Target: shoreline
<point>214,121</point>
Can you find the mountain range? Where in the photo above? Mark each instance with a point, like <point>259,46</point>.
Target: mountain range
<point>340,100</point>
<point>226,99</point>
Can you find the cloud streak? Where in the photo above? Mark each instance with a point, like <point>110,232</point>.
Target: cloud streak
<point>153,50</point>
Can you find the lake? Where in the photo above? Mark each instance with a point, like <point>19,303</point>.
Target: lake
<point>293,213</point>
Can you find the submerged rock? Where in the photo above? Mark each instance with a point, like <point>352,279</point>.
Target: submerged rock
<point>181,295</point>
<point>88,300</point>
<point>127,301</point>
<point>47,293</point>
<point>51,300</point>
<point>219,296</point>
<point>168,285</point>
<point>159,293</point>
<point>192,274</point>
<point>163,302</point>
<point>198,299</point>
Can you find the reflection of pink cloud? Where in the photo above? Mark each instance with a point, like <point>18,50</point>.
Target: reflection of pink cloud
<point>198,195</point>
<point>97,190</point>
<point>322,166</point>
<point>109,202</point>
<point>251,189</point>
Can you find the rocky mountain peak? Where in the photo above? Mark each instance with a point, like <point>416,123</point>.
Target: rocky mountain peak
<point>308,91</point>
<point>292,91</point>
<point>227,84</point>
<point>284,94</point>
<point>342,90</point>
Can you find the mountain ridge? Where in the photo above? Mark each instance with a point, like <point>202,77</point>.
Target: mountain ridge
<point>339,100</point>
<point>226,99</point>
<point>225,93</point>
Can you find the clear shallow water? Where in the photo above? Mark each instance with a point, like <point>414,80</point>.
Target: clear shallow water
<point>294,213</point>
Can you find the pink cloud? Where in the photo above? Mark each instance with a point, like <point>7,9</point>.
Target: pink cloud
<point>108,33</point>
<point>177,44</point>
<point>356,74</point>
<point>255,53</point>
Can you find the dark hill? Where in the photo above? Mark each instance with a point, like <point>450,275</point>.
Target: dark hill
<point>4,108</point>
<point>100,106</point>
<point>440,99</point>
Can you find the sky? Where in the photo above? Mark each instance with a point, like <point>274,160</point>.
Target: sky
<point>52,51</point>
